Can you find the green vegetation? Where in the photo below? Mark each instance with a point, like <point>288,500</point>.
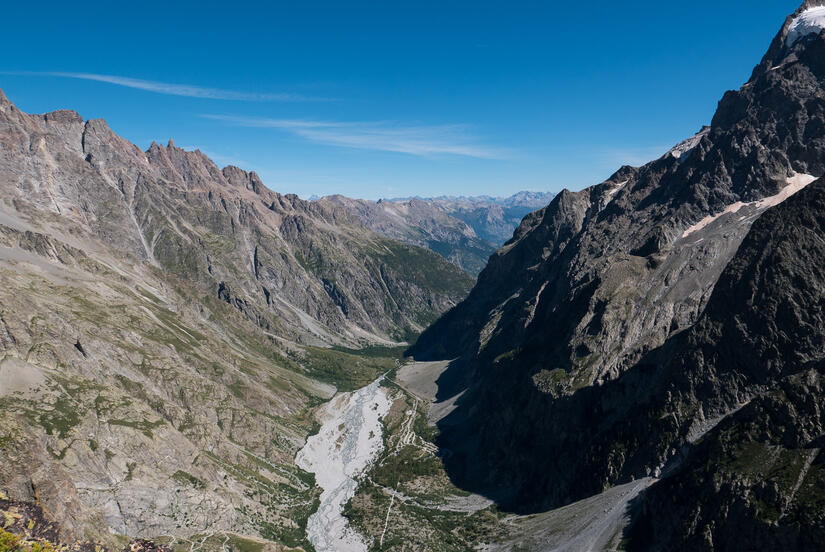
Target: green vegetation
<point>376,351</point>
<point>144,426</point>
<point>347,370</point>
<point>416,473</point>
<point>424,268</point>
<point>551,381</point>
<point>787,468</point>
<point>405,335</point>
<point>510,355</point>
<point>213,542</point>
<point>811,493</point>
<point>288,506</point>
<point>240,544</point>
<point>61,419</point>
<point>432,528</point>
<point>186,478</point>
<point>14,543</point>
<point>409,464</point>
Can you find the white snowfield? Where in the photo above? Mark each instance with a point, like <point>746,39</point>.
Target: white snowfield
<point>811,21</point>
<point>795,183</point>
<point>349,441</point>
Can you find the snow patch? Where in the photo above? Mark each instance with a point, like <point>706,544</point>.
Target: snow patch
<point>686,146</point>
<point>610,194</point>
<point>617,187</point>
<point>795,183</point>
<point>349,441</point>
<point>811,21</point>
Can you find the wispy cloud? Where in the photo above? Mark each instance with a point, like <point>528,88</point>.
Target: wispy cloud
<point>172,89</point>
<point>380,135</point>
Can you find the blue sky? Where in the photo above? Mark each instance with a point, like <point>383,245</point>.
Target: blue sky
<point>393,98</point>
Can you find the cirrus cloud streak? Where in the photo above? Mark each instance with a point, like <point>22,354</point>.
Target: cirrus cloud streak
<point>421,140</point>
<point>171,89</point>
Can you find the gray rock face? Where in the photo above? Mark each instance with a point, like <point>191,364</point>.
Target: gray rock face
<point>554,337</point>
<point>755,480</point>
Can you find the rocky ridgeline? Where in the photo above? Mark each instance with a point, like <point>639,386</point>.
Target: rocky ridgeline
<point>620,323</point>
<point>274,257</point>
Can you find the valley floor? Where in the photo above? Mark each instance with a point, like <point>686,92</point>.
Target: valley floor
<point>404,498</point>
<point>349,440</point>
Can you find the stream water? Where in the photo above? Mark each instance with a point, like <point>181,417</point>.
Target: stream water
<point>349,440</point>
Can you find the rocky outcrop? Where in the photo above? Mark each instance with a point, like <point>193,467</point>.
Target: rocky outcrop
<point>570,326</point>
<point>26,529</point>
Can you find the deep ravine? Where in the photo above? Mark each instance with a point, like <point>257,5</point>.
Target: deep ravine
<point>349,441</point>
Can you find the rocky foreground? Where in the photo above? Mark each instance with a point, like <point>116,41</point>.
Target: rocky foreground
<point>26,529</point>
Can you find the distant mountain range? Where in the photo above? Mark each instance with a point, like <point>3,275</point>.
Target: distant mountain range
<point>464,230</point>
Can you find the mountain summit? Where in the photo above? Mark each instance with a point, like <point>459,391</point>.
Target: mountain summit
<point>597,346</point>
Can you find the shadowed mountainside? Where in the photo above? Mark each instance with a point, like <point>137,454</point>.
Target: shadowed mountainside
<point>571,325</point>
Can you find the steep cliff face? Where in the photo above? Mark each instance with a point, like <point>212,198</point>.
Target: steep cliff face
<point>757,357</point>
<point>571,321</point>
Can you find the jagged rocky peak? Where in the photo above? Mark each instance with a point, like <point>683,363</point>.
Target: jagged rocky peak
<point>196,169</point>
<point>241,178</point>
<point>808,20</point>
<point>103,148</point>
<point>800,28</point>
<point>177,210</point>
<point>192,167</point>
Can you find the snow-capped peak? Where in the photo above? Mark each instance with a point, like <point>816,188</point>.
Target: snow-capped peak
<point>810,21</point>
